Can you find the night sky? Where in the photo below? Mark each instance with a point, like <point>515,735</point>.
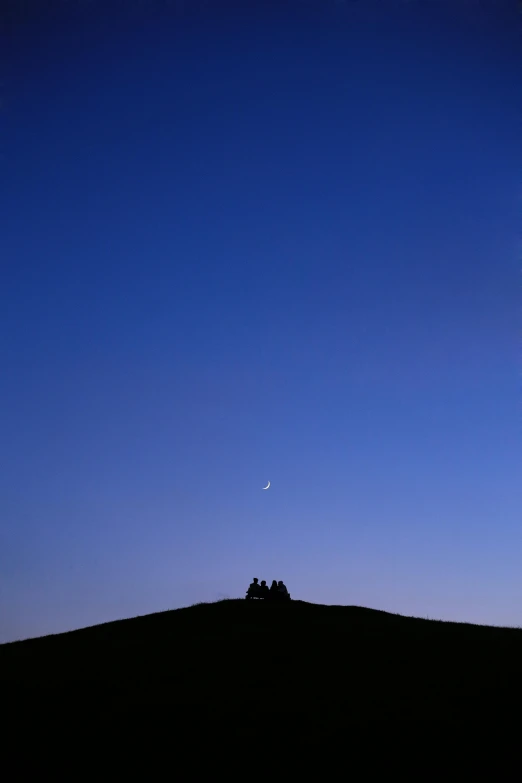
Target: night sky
<point>259,242</point>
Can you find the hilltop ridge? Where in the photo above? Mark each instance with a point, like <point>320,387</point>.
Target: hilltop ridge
<point>227,658</point>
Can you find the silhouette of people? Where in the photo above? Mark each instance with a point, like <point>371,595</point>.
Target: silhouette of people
<point>254,589</point>
<point>276,592</point>
<point>282,591</point>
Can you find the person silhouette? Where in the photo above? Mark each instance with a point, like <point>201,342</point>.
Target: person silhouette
<point>282,590</point>
<point>273,590</point>
<point>254,589</point>
<point>264,592</point>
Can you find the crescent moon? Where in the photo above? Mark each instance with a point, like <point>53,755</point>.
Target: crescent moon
<point>267,486</point>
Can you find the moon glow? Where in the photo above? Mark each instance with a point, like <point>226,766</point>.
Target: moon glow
<point>267,486</point>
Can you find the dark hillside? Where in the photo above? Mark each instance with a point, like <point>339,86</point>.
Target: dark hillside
<point>318,665</point>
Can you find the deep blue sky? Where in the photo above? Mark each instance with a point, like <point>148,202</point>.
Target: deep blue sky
<point>249,243</point>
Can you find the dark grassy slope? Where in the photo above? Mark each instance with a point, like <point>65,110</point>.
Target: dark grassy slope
<point>316,665</point>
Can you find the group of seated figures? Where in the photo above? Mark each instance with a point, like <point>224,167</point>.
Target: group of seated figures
<point>276,592</point>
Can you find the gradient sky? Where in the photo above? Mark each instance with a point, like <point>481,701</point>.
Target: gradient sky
<point>250,242</point>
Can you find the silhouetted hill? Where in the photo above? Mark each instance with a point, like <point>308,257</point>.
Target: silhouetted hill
<point>321,667</point>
